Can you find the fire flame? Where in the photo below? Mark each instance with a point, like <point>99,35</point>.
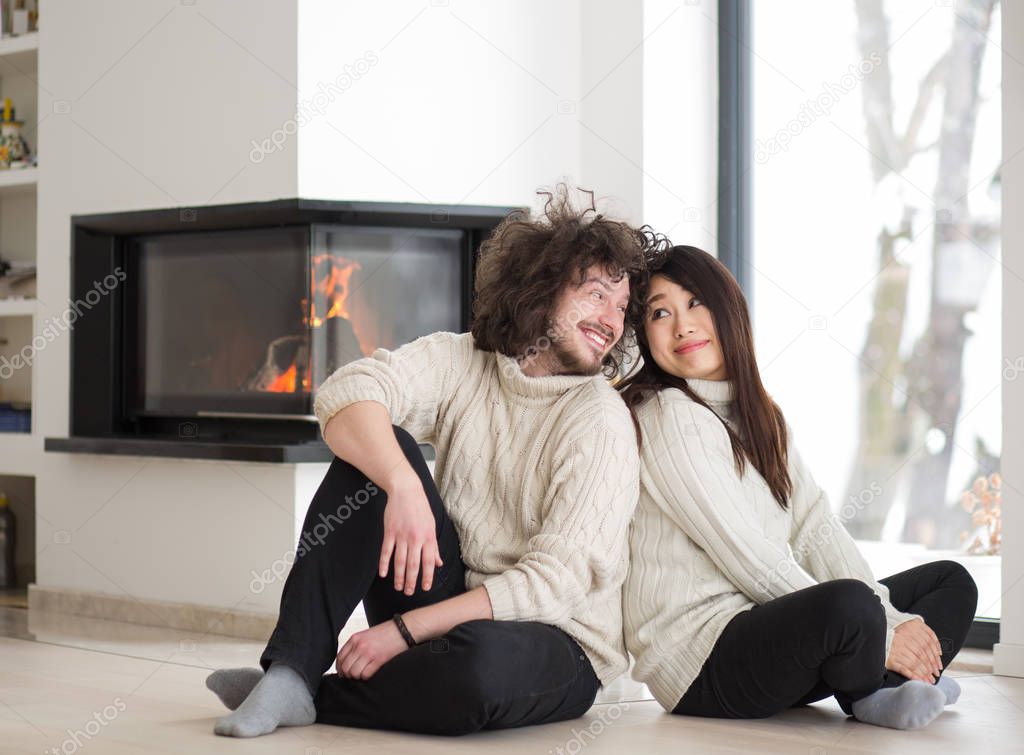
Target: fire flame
<point>285,382</point>
<point>330,289</point>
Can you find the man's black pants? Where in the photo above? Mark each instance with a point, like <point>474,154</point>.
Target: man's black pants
<point>481,675</point>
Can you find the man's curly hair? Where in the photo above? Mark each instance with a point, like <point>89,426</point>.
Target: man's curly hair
<point>527,262</point>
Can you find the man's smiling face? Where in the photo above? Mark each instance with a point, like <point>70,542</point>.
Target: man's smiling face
<point>586,322</point>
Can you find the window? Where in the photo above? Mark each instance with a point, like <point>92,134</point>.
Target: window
<point>874,266</point>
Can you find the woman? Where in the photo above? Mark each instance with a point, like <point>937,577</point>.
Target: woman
<point>745,595</point>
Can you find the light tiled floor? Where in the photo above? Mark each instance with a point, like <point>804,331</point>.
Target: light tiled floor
<point>81,685</point>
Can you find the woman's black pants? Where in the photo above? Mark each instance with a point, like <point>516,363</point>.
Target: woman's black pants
<point>825,640</point>
<point>481,675</point>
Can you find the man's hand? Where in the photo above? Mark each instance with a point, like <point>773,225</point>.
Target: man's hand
<point>362,435</point>
<point>367,651</point>
<point>409,535</point>
<point>915,652</point>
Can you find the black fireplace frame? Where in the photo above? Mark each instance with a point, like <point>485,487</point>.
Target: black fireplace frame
<point>100,244</point>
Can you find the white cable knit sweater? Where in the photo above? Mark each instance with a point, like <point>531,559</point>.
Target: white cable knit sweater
<point>539,475</point>
<point>706,544</point>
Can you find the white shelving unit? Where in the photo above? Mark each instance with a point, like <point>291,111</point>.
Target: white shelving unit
<point>19,64</point>
<point>21,49</point>
<point>16,307</point>
<point>18,181</point>
<point>19,453</point>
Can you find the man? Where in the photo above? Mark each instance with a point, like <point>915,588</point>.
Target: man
<point>493,597</point>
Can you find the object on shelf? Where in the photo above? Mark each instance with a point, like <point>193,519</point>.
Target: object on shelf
<point>19,17</point>
<point>15,418</point>
<point>18,287</point>
<point>7,576</point>
<point>17,279</point>
<point>14,150</point>
<point>16,268</point>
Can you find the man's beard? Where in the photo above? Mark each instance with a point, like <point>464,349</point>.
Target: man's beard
<point>566,360</point>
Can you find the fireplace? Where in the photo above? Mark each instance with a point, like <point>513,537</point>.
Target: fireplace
<point>248,321</point>
<point>225,319</point>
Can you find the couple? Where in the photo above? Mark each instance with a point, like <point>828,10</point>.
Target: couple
<point>566,524</point>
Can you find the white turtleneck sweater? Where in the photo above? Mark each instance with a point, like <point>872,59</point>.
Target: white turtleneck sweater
<point>706,544</point>
<point>538,474</point>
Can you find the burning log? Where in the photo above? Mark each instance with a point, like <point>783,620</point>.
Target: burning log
<point>284,369</point>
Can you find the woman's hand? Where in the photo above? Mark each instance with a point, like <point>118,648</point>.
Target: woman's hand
<point>410,535</point>
<point>915,652</point>
<point>367,651</point>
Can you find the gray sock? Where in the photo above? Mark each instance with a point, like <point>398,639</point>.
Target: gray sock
<point>950,688</point>
<point>280,698</point>
<point>233,685</point>
<point>910,706</point>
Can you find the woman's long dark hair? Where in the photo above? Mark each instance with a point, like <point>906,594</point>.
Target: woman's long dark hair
<point>762,438</point>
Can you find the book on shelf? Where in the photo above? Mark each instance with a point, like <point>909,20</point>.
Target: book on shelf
<point>15,417</point>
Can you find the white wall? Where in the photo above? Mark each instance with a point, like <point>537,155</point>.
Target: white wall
<point>525,93</point>
<point>158,104</point>
<point>459,101</point>
<point>1009,653</point>
<point>648,114</point>
<point>148,105</point>
<point>680,121</point>
<point>610,104</point>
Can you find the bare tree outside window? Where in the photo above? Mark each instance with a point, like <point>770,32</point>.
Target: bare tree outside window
<point>877,265</point>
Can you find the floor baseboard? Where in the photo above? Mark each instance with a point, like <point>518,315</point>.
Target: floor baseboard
<point>189,617</point>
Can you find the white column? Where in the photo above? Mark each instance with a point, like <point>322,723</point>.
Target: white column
<point>1009,653</point>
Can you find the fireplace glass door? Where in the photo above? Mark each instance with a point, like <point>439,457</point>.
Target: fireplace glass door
<point>250,321</point>
<point>380,288</point>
